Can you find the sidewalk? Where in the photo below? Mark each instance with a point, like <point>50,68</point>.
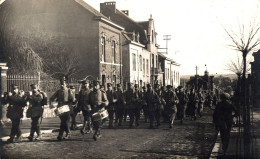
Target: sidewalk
<point>48,125</point>
<point>236,148</point>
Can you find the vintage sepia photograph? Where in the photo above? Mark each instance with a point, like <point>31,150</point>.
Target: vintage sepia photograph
<point>130,79</point>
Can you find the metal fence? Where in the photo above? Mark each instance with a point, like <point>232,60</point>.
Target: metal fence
<point>23,81</point>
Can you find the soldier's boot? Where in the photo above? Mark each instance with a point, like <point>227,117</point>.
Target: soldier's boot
<point>171,124</point>
<point>19,136</point>
<point>30,137</point>
<point>67,136</point>
<point>82,131</point>
<point>110,124</point>
<point>38,132</point>
<point>59,138</point>
<point>11,139</point>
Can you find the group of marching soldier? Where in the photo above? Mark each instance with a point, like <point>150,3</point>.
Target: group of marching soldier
<point>153,102</point>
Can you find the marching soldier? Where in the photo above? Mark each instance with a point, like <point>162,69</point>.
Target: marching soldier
<point>120,104</point>
<point>73,110</point>
<point>111,96</point>
<point>171,100</point>
<point>98,100</point>
<point>182,105</point>
<point>152,100</point>
<point>63,96</point>
<point>201,103</point>
<point>144,104</point>
<point>84,106</point>
<point>160,106</point>
<point>15,112</point>
<point>193,104</point>
<point>35,100</point>
<point>223,118</point>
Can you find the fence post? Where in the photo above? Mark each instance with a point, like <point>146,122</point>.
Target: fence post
<point>3,88</point>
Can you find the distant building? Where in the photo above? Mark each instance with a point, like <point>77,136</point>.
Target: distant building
<point>201,82</point>
<point>170,71</point>
<point>255,68</point>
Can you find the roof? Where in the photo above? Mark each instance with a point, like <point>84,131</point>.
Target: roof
<point>144,24</point>
<point>99,16</point>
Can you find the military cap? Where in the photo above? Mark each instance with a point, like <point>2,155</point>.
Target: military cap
<point>118,85</point>
<point>180,87</point>
<point>14,86</point>
<point>136,85</point>
<point>109,84</point>
<point>95,83</point>
<point>33,86</point>
<point>85,81</point>
<point>169,86</point>
<point>148,85</point>
<point>72,87</point>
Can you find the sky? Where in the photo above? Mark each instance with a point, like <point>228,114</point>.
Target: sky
<point>196,28</point>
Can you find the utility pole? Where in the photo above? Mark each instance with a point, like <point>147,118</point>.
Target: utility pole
<point>166,38</point>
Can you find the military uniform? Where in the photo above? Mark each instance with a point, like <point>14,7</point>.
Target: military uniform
<point>73,110</point>
<point>200,103</point>
<point>64,97</point>
<point>98,100</point>
<point>15,112</point>
<point>171,101</point>
<point>132,97</point>
<point>120,104</point>
<point>223,118</point>
<point>111,108</point>
<point>84,106</point>
<point>160,106</point>
<point>35,101</point>
<point>152,100</point>
<point>182,105</point>
<point>193,104</point>
<point>144,104</point>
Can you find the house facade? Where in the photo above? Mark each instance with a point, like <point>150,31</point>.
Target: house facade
<point>255,70</point>
<point>89,34</point>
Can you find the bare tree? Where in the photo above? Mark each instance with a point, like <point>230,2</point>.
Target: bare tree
<point>236,66</point>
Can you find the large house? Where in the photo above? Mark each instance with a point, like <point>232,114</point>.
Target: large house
<point>138,36</point>
<point>83,29</point>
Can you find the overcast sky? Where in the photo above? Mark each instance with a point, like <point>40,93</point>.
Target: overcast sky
<point>195,26</point>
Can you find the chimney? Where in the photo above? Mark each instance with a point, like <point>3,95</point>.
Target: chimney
<point>126,12</point>
<point>107,6</point>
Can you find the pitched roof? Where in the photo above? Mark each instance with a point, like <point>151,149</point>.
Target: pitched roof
<point>90,8</point>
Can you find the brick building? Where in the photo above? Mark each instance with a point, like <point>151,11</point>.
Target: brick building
<point>139,33</point>
<point>95,38</point>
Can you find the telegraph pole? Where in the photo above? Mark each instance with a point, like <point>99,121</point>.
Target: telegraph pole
<point>166,38</point>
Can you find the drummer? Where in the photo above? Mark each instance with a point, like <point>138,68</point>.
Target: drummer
<point>98,100</point>
<point>63,96</point>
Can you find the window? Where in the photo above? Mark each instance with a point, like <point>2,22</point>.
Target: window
<point>134,61</point>
<point>152,60</point>
<point>143,66</point>
<point>152,36</point>
<point>140,63</point>
<point>156,64</point>
<point>103,48</point>
<point>147,67</point>
<point>113,51</point>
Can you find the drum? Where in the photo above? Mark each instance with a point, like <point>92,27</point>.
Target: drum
<point>100,115</point>
<point>61,110</point>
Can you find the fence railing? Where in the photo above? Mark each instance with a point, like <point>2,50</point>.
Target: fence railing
<point>23,81</point>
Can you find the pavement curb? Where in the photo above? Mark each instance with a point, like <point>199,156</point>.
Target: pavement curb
<point>217,147</point>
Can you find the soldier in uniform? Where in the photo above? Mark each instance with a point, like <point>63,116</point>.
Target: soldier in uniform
<point>73,110</point>
<point>35,100</point>
<point>171,100</point>
<point>182,105</point>
<point>193,104</point>
<point>98,100</point>
<point>15,112</point>
<point>84,106</point>
<point>120,104</point>
<point>152,100</point>
<point>130,103</point>
<point>223,118</point>
<point>160,107</point>
<point>200,103</point>
<point>144,104</point>
<point>63,96</point>
<point>111,108</point>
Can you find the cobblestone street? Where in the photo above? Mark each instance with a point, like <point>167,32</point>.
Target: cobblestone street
<point>192,139</point>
